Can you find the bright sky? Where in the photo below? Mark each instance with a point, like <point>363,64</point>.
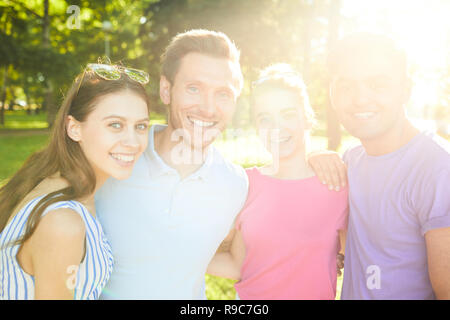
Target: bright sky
<point>421,27</point>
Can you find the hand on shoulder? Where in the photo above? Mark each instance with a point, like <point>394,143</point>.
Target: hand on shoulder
<point>329,168</point>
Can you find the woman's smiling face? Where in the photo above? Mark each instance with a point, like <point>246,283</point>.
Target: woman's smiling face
<point>114,134</point>
<point>280,121</point>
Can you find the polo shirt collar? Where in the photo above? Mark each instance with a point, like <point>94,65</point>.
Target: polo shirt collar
<point>157,166</point>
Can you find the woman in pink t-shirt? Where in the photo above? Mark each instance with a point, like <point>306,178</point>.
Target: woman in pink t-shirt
<point>287,236</point>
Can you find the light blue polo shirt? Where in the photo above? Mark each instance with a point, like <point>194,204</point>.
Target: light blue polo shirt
<point>163,230</point>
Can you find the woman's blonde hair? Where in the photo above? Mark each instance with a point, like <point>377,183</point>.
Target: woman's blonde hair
<point>283,76</point>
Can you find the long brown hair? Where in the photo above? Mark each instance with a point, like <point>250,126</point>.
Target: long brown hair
<point>62,155</point>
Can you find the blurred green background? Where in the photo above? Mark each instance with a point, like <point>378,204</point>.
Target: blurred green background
<point>45,43</point>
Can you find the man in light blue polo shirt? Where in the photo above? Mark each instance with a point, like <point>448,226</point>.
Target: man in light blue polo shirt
<point>166,221</point>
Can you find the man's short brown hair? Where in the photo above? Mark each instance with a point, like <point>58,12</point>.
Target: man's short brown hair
<point>212,43</point>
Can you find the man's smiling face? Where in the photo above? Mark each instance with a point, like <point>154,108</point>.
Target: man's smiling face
<point>202,97</point>
<point>369,91</point>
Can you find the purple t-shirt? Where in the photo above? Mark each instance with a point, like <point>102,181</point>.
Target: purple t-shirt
<point>394,199</point>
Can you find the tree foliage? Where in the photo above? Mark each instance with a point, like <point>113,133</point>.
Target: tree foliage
<point>266,31</point>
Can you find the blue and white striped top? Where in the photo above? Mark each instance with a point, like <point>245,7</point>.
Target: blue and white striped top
<point>87,279</point>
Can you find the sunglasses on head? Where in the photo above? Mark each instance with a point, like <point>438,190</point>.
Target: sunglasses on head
<point>113,72</point>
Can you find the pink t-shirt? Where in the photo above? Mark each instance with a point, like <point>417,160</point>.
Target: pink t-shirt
<point>290,229</point>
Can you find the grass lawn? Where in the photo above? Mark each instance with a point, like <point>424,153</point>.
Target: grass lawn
<point>20,120</point>
<point>14,150</point>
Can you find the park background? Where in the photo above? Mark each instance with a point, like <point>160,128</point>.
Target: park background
<point>45,43</point>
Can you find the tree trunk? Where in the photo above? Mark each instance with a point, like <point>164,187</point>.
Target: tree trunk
<point>48,103</point>
<point>51,105</point>
<point>333,126</point>
<point>3,95</point>
<point>26,92</point>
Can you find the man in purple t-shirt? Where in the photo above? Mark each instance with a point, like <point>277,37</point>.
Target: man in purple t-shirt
<point>398,240</point>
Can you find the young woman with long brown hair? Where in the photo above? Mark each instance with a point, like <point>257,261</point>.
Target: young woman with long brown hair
<point>51,244</point>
